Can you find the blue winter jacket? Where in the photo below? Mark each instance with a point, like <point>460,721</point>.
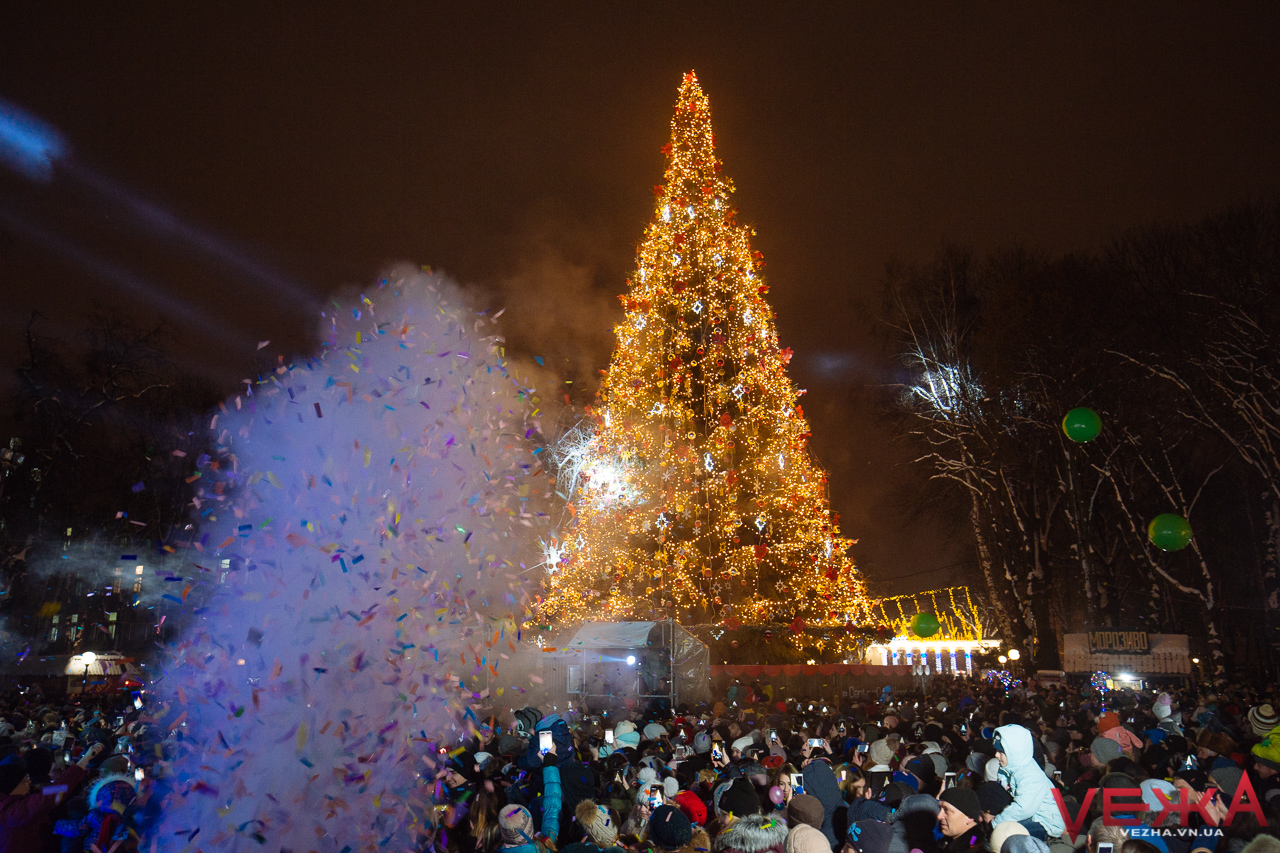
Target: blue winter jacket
<point>1031,789</point>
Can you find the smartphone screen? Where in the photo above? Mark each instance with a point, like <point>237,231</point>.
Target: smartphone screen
<point>137,703</point>
<point>1105,847</point>
<point>655,798</point>
<point>773,734</point>
<point>544,742</point>
<point>797,784</point>
<point>139,774</point>
<point>815,741</point>
<point>717,751</point>
<point>608,736</point>
<point>863,747</point>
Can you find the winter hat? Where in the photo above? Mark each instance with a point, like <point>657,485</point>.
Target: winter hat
<point>963,799</point>
<point>904,778</point>
<point>740,799</point>
<point>670,787</point>
<point>917,804</point>
<point>516,825</point>
<point>653,731</point>
<point>116,765</point>
<point>805,808</point>
<point>1024,844</point>
<point>597,823</point>
<point>1162,708</point>
<point>1262,843</point>
<point>993,797</point>
<point>864,809</point>
<point>880,752</point>
<point>648,789</point>
<point>1108,721</point>
<point>1004,832</point>
<point>922,768</point>
<point>11,775</point>
<point>992,771</point>
<point>647,775</point>
<point>1227,779</point>
<point>976,762</point>
<point>692,806</point>
<point>870,836</point>
<point>1150,787</point>
<point>701,743</point>
<point>803,838</point>
<point>742,744</point>
<point>1104,749</point>
<point>1263,719</point>
<point>669,829</point>
<point>526,719</point>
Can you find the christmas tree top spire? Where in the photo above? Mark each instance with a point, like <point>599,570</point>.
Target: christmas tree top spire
<point>692,493</point>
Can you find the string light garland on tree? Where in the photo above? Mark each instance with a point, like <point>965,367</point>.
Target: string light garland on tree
<point>692,492</point>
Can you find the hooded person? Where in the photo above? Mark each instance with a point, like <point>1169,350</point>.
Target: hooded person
<point>1033,802</point>
<point>565,781</point>
<point>820,781</point>
<point>104,826</point>
<point>754,833</point>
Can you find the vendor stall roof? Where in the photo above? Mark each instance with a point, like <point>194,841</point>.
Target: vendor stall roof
<point>610,635</point>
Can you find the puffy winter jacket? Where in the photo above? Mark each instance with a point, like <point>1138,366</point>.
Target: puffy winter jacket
<point>820,781</point>
<point>1031,789</point>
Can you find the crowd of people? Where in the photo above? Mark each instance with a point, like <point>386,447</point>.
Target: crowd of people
<point>74,774</point>
<point>967,766</point>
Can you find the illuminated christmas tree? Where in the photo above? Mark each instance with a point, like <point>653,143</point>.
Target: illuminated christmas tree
<point>692,493</point>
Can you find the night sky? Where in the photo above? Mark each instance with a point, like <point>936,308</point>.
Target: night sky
<point>307,146</point>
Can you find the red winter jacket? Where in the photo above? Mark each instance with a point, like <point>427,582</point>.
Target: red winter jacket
<point>24,820</point>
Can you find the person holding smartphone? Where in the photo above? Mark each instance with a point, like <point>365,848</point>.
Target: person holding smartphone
<point>24,814</point>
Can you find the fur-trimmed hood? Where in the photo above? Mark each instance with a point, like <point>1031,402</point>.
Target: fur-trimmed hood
<point>752,834</point>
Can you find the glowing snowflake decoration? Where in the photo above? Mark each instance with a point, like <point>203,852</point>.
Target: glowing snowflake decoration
<point>697,307</point>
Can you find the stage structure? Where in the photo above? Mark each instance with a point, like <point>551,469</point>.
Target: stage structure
<point>961,632</point>
<point>604,662</point>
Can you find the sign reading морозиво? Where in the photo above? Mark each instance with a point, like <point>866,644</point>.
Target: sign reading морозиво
<point>1118,641</point>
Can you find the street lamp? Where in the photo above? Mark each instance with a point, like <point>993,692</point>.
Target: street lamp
<point>88,657</point>
<point>1003,660</point>
<point>1014,654</point>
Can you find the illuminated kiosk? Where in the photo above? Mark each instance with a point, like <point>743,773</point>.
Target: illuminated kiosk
<point>961,633</point>
<point>1128,657</point>
<point>649,661</point>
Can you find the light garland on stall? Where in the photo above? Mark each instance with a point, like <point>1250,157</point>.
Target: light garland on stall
<point>692,492</point>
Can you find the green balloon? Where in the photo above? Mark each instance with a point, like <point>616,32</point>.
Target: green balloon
<point>1169,532</point>
<point>924,625</point>
<point>1082,425</point>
